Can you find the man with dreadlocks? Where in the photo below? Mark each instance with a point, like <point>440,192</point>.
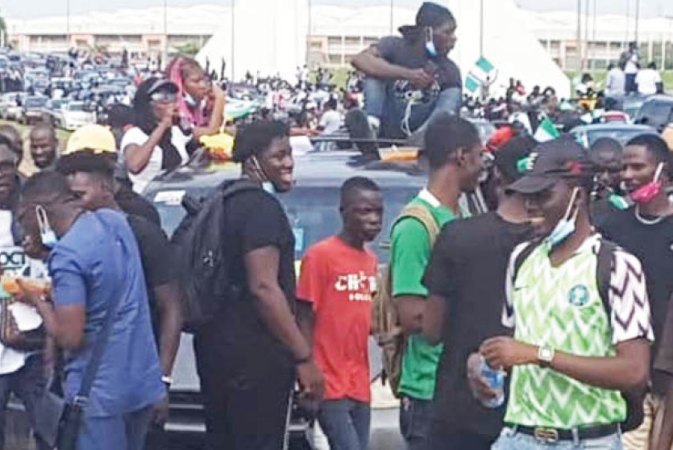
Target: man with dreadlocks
<point>410,78</point>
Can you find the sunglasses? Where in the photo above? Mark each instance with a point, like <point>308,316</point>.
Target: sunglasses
<point>164,97</point>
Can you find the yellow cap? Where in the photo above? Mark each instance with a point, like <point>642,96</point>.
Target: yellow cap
<point>95,138</point>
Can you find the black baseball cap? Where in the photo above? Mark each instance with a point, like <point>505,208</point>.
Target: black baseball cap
<point>162,85</point>
<point>513,154</point>
<point>551,161</point>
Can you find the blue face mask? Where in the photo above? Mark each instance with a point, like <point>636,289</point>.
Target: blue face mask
<point>566,226</point>
<point>267,185</point>
<point>191,101</point>
<point>430,48</point>
<point>47,235</point>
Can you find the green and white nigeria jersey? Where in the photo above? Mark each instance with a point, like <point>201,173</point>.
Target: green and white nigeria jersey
<point>561,307</point>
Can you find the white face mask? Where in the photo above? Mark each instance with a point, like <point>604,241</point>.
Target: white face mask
<point>191,101</point>
<point>47,235</point>
<point>566,226</point>
<point>267,185</point>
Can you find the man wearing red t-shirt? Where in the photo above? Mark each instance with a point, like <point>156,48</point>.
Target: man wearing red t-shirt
<point>336,287</point>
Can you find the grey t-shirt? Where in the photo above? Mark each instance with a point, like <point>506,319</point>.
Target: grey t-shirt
<point>396,50</point>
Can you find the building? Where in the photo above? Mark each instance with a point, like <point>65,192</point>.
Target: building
<point>336,33</point>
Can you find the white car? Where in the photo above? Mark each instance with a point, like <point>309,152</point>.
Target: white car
<point>10,108</point>
<point>72,115</point>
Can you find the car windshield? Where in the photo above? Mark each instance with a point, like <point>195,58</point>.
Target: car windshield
<point>621,135</point>
<point>312,213</point>
<point>36,102</point>
<point>656,113</point>
<point>76,106</point>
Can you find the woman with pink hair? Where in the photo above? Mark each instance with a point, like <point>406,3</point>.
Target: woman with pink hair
<point>200,102</point>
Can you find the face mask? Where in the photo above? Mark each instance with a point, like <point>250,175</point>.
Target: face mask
<point>191,101</point>
<point>649,191</point>
<point>430,48</point>
<point>47,235</point>
<point>566,226</point>
<point>267,185</point>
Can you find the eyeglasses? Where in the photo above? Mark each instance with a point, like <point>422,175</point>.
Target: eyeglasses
<point>164,97</point>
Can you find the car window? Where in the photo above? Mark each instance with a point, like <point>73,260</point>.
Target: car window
<point>656,113</point>
<point>313,213</point>
<point>623,136</point>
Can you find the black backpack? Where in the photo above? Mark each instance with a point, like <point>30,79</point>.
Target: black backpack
<point>605,262</point>
<point>200,255</point>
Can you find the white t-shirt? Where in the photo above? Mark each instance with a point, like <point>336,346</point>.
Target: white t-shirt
<point>647,80</point>
<point>616,83</point>
<point>631,66</point>
<point>153,168</point>
<point>330,121</point>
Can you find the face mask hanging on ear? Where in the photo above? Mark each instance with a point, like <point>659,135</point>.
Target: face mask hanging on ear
<point>566,226</point>
<point>189,100</point>
<point>649,191</point>
<point>47,235</point>
<point>267,185</point>
<point>430,48</point>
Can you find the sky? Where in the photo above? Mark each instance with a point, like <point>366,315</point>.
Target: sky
<point>25,9</point>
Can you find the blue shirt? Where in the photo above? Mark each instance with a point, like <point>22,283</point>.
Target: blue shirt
<point>96,260</point>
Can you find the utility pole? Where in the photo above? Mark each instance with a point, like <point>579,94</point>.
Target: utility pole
<point>637,18</point>
<point>392,4</point>
<point>593,53</point>
<point>481,28</point>
<point>165,52</point>
<point>628,21</point>
<point>67,22</point>
<point>587,44</point>
<point>233,36</point>
<point>310,33</point>
<point>579,33</point>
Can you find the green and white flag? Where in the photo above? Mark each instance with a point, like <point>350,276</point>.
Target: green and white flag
<point>478,75</point>
<point>546,131</point>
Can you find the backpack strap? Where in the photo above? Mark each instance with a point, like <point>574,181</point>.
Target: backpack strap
<point>605,265</point>
<point>523,254</point>
<point>423,215</point>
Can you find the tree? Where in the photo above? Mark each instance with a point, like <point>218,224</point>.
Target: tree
<point>3,31</point>
<point>190,48</point>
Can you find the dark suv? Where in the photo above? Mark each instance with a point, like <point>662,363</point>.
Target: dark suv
<point>656,112</point>
<point>312,207</point>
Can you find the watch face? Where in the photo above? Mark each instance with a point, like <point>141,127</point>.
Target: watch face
<point>546,354</point>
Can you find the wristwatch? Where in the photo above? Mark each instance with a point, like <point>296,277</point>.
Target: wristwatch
<point>167,379</point>
<point>545,355</point>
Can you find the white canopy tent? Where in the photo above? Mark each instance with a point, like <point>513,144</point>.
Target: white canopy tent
<point>270,36</point>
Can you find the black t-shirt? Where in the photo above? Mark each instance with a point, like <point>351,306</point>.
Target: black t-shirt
<point>156,256</point>
<point>653,246</point>
<point>468,269</point>
<point>254,219</point>
<point>132,203</point>
<point>399,51</point>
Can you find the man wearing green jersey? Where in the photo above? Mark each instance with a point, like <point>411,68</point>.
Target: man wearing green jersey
<point>453,150</point>
<point>573,353</point>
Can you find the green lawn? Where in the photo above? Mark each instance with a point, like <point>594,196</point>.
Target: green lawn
<point>599,78</point>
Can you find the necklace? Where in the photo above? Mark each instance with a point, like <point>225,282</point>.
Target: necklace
<point>645,221</point>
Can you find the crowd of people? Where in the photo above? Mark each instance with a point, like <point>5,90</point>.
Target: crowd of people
<point>544,322</point>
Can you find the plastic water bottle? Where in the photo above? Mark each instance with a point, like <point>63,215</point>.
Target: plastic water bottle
<point>496,381</point>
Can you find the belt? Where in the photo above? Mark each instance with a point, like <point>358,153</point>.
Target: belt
<point>545,434</point>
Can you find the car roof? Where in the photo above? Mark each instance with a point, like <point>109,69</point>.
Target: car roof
<point>612,126</point>
<point>660,99</point>
<point>312,169</point>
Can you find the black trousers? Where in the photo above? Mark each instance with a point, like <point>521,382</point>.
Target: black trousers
<point>246,397</point>
<point>444,436</point>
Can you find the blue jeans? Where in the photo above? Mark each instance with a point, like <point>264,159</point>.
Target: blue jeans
<point>381,102</point>
<point>122,432</point>
<point>510,440</point>
<point>345,423</point>
<point>415,422</point>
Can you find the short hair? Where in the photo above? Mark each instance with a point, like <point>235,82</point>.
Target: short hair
<point>445,134</point>
<point>606,144</point>
<point>356,184</point>
<point>15,139</point>
<point>509,156</point>
<point>255,138</point>
<point>652,65</point>
<point>655,145</point>
<point>4,140</point>
<point>433,15</point>
<point>45,188</point>
<point>44,126</point>
<point>87,161</point>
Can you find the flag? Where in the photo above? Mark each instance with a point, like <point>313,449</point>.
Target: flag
<point>478,75</point>
<point>546,131</point>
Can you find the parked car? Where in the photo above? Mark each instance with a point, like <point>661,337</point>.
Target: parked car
<point>32,109</point>
<point>656,111</point>
<point>73,115</point>
<point>586,135</point>
<point>51,109</point>
<point>312,208</point>
<point>10,105</point>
